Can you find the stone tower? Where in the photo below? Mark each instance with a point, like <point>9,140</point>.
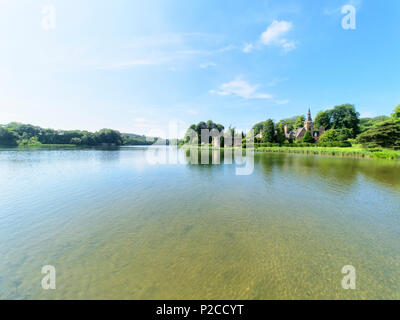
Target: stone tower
<point>308,124</point>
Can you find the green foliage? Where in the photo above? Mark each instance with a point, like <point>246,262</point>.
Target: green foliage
<point>340,117</point>
<point>108,136</point>
<point>200,126</point>
<point>308,138</point>
<point>15,133</point>
<point>269,131</point>
<point>386,154</point>
<point>8,137</point>
<point>345,116</point>
<point>334,144</point>
<point>299,122</point>
<point>136,140</point>
<point>290,122</point>
<point>396,112</point>
<point>366,123</point>
<point>30,142</point>
<point>323,119</point>
<point>280,134</point>
<point>384,134</point>
<point>336,135</point>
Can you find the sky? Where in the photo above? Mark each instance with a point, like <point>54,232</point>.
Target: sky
<point>137,66</point>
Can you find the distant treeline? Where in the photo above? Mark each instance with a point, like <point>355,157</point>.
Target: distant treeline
<point>19,134</point>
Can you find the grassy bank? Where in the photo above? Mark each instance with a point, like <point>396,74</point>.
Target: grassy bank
<point>356,152</point>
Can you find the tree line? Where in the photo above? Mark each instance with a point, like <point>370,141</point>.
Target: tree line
<point>19,134</point>
<point>342,124</point>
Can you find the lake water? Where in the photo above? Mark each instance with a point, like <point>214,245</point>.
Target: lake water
<point>118,227</point>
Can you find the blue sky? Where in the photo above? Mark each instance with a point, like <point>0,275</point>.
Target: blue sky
<point>135,65</point>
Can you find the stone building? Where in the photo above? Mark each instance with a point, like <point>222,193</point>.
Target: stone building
<point>298,134</point>
<point>308,126</point>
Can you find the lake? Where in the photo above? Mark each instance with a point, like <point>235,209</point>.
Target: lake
<point>116,226</point>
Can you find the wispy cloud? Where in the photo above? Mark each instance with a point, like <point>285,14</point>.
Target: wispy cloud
<point>174,50</point>
<point>248,47</point>
<point>240,88</point>
<point>275,33</point>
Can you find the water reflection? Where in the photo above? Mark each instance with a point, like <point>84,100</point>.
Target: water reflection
<point>345,171</point>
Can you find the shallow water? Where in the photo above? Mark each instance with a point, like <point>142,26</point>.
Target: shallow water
<point>117,227</point>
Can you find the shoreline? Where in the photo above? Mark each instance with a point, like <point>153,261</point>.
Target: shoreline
<point>354,152</point>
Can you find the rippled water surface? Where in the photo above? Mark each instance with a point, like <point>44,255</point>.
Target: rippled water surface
<point>118,227</point>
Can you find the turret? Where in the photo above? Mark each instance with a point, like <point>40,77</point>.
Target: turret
<point>308,125</point>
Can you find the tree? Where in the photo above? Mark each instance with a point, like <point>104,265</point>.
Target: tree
<point>290,122</point>
<point>7,137</point>
<point>108,136</point>
<point>209,125</point>
<point>385,134</point>
<point>396,112</point>
<point>258,127</point>
<point>323,119</point>
<point>308,137</point>
<point>345,116</point>
<point>269,131</point>
<point>280,134</point>
<point>333,135</point>
<point>299,122</point>
<point>366,123</point>
<point>76,141</point>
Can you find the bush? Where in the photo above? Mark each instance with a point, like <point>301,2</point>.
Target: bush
<point>333,135</point>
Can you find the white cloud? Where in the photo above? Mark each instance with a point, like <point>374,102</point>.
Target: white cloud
<point>274,35</point>
<point>248,48</point>
<point>274,32</point>
<point>240,88</point>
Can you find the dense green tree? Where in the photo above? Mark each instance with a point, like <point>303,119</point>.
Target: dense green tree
<point>269,131</point>
<point>333,135</point>
<point>299,122</point>
<point>384,134</point>
<point>209,125</point>
<point>258,127</point>
<point>366,123</point>
<point>323,118</point>
<point>280,134</point>
<point>396,112</point>
<point>7,137</point>
<point>108,136</point>
<point>308,138</point>
<point>16,133</point>
<point>345,116</point>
